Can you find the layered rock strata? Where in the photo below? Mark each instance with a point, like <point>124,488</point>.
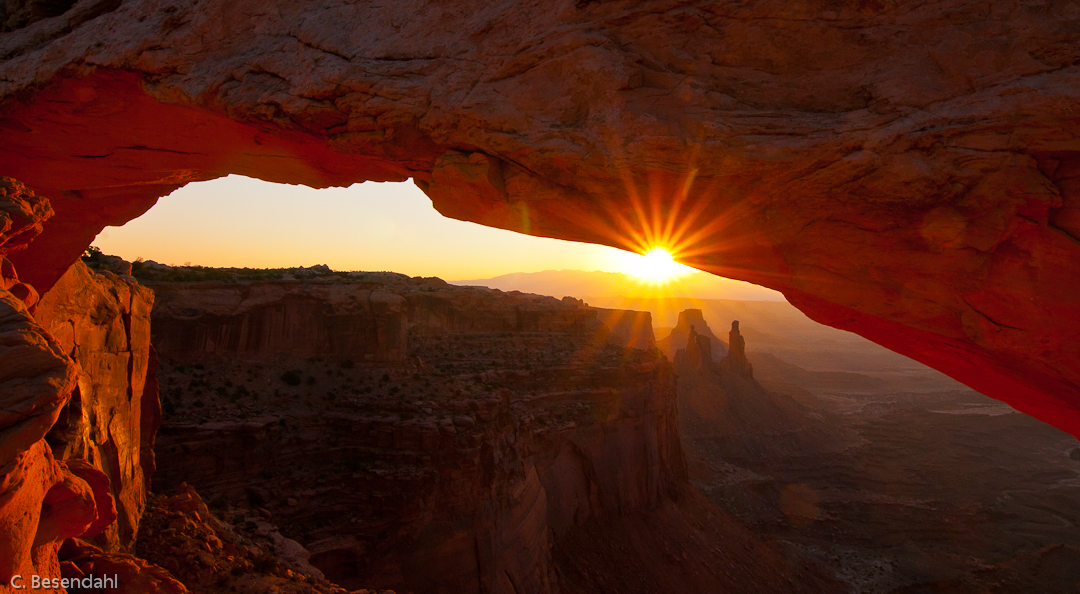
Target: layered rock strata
<point>894,167</point>
<point>513,419</point>
<point>280,319</point>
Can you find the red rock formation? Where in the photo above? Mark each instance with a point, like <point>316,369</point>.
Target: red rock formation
<point>102,322</point>
<point>631,328</point>
<point>690,319</point>
<point>725,414</point>
<point>280,319</point>
<point>72,382</point>
<point>917,188</point>
<point>42,502</point>
<point>361,317</point>
<point>208,555</point>
<point>21,216</point>
<point>735,362</point>
<point>698,352</point>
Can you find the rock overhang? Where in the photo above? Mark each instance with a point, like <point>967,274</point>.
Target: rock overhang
<point>905,171</point>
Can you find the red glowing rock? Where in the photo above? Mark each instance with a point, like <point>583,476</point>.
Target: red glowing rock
<point>919,189</point>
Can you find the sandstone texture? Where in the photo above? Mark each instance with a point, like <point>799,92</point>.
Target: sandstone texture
<point>209,555</point>
<point>102,322</point>
<point>22,214</point>
<point>75,438</point>
<point>904,170</point>
<point>41,502</point>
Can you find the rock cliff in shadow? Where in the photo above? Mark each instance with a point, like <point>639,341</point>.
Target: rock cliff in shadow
<point>284,319</point>
<point>513,423</point>
<point>725,411</point>
<point>691,319</point>
<point>500,422</point>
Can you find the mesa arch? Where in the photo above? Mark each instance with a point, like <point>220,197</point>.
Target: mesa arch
<point>904,170</point>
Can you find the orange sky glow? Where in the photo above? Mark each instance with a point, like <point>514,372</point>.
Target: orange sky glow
<point>244,222</point>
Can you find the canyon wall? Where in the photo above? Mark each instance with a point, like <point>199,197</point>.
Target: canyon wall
<point>513,419</point>
<point>102,322</point>
<point>904,170</point>
<point>78,401</point>
<point>359,317</point>
<point>691,319</point>
<point>632,328</point>
<point>284,319</point>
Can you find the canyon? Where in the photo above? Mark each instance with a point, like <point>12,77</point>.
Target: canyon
<point>372,430</point>
<point>465,442</point>
<point>399,432</point>
<point>903,170</point>
<point>891,486</point>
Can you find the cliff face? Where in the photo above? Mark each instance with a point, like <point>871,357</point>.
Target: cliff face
<point>691,319</point>
<point>726,413</point>
<point>37,377</point>
<point>930,204</point>
<point>632,328</point>
<point>267,319</point>
<point>88,338</point>
<point>735,361</point>
<point>512,421</point>
<point>102,322</point>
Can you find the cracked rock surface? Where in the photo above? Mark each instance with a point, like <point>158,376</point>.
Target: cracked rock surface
<point>904,170</point>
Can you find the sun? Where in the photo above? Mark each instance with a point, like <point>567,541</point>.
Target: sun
<point>656,266</point>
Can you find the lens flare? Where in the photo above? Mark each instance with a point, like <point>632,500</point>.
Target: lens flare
<point>656,266</point>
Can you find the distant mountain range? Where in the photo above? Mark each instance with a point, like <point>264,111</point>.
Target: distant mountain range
<point>579,283</point>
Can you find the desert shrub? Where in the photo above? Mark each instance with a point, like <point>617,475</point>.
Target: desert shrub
<point>292,377</point>
<point>265,562</point>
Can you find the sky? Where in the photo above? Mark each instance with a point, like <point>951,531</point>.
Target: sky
<point>237,221</point>
<point>245,222</point>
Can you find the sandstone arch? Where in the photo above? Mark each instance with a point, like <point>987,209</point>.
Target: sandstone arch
<point>905,170</point>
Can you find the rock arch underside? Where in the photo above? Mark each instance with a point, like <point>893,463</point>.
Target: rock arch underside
<point>909,171</point>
